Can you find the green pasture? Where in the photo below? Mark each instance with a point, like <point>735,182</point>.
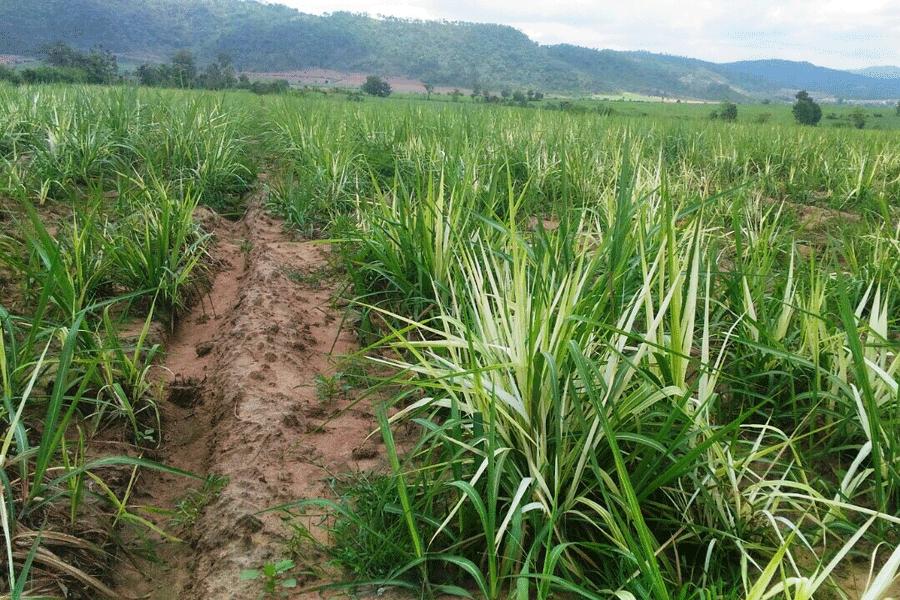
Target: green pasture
<point>877,117</point>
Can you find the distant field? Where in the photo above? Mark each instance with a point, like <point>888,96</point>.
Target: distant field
<point>833,116</point>
<point>624,103</point>
<point>327,77</point>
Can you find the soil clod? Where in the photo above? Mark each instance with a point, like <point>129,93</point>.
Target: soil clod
<point>185,392</point>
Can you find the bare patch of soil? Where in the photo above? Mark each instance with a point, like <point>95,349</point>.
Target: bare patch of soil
<point>326,77</point>
<point>814,224</point>
<point>12,59</point>
<point>244,375</point>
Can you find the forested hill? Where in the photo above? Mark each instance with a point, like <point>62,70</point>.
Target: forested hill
<point>276,38</point>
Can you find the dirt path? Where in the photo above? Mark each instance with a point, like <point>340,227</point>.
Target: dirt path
<point>244,404</point>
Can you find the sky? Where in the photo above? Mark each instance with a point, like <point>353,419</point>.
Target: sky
<point>840,34</point>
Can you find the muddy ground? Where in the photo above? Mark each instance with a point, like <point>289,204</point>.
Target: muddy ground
<point>249,374</point>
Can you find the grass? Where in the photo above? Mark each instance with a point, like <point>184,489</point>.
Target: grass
<point>48,475</point>
<point>633,366</point>
<point>123,245</point>
<point>641,393</point>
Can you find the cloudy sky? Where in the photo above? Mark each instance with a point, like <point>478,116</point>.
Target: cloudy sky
<point>841,34</point>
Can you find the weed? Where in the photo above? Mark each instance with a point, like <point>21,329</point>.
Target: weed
<point>274,578</point>
<point>355,371</point>
<point>312,278</point>
<point>328,387</point>
<point>189,508</point>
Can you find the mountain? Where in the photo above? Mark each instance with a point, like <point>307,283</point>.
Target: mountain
<point>884,72</point>
<point>659,74</point>
<point>807,76</point>
<point>273,37</point>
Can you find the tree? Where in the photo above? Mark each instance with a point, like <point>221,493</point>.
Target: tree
<point>728,111</point>
<point>279,86</point>
<point>212,77</point>
<point>429,90</point>
<point>226,70</point>
<point>859,118</point>
<point>149,75</point>
<point>375,86</point>
<point>219,75</point>
<point>60,54</point>
<point>898,108</point>
<point>184,69</point>
<point>806,111</point>
<point>7,74</point>
<point>99,66</point>
<point>54,75</point>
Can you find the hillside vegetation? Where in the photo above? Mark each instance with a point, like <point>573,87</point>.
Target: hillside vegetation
<point>273,37</point>
<point>276,38</point>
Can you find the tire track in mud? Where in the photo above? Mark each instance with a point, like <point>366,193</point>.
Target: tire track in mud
<point>241,371</point>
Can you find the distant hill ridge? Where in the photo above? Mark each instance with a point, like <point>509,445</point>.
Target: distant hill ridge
<point>882,72</point>
<point>807,76</point>
<point>273,37</point>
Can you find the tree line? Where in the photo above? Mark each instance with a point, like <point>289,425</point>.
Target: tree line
<point>507,96</point>
<point>183,72</point>
<point>64,64</point>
